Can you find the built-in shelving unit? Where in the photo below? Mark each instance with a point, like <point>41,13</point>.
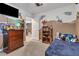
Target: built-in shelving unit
<point>47,34</point>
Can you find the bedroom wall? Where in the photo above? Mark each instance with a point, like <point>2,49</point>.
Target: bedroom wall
<point>58,27</point>
<point>66,27</point>
<point>77,22</point>
<point>61,27</point>
<point>77,27</point>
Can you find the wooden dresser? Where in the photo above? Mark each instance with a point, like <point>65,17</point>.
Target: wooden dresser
<point>14,41</point>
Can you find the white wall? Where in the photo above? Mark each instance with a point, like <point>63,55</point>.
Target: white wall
<point>24,13</point>
<point>77,7</point>
<point>35,28</point>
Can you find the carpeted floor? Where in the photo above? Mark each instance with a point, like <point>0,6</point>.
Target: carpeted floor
<point>32,48</point>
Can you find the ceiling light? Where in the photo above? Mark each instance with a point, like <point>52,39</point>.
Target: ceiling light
<point>38,4</point>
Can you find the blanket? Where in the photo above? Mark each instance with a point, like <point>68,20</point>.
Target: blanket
<point>62,48</point>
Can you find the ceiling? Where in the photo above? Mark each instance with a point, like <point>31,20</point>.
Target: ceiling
<point>33,9</point>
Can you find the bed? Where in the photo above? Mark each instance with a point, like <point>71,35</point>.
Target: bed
<point>62,48</point>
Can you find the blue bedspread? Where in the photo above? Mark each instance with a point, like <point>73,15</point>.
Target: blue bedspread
<point>62,48</point>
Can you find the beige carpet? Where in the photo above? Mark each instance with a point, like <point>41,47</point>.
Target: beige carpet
<point>35,49</point>
<point>32,48</point>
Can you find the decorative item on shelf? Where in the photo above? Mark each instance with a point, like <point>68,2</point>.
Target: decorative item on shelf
<point>22,24</point>
<point>44,22</point>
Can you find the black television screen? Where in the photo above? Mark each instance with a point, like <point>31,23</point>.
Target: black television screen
<point>8,10</point>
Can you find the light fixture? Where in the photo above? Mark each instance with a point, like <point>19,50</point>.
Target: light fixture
<point>38,4</point>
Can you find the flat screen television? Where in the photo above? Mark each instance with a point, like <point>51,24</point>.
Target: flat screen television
<point>8,10</point>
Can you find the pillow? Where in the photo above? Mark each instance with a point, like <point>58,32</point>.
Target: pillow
<point>70,37</point>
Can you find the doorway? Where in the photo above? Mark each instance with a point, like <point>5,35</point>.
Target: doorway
<point>28,29</point>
